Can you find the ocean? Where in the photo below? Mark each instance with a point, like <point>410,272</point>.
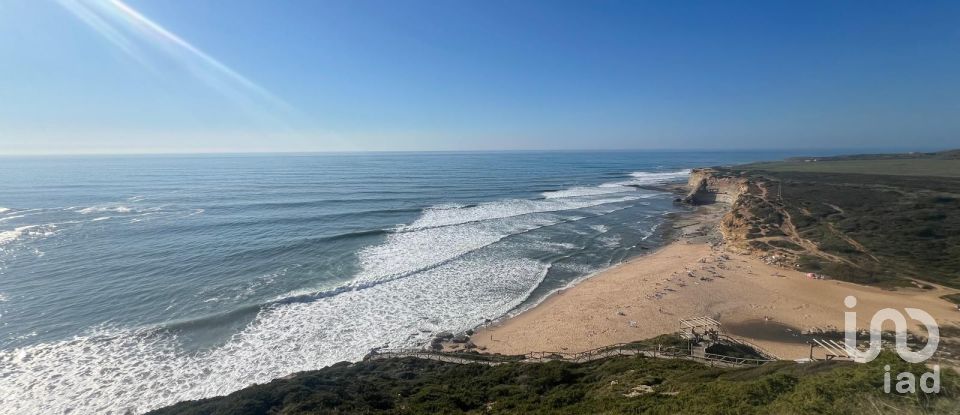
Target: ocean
<point>132,282</point>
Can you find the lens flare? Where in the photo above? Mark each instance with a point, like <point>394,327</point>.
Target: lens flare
<point>141,38</point>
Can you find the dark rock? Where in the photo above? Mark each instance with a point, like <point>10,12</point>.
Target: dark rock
<point>445,335</point>
<point>460,338</point>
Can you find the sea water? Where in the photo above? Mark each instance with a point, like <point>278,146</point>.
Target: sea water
<point>132,282</point>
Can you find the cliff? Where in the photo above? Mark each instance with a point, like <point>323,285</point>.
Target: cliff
<point>755,214</point>
<point>874,226</point>
<point>709,186</point>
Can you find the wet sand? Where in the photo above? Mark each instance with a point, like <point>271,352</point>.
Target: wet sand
<point>695,276</point>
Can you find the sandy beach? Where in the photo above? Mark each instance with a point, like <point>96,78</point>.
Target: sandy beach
<point>696,276</point>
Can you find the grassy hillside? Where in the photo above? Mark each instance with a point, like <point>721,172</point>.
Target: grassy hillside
<point>939,155</point>
<point>876,221</point>
<point>613,386</point>
<point>905,167</point>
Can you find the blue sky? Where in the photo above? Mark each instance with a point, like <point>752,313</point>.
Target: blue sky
<point>91,76</point>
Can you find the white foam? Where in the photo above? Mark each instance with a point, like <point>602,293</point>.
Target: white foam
<point>130,370</point>
<point>579,268</point>
<point>447,216</point>
<point>587,191</point>
<point>34,232</point>
<point>638,178</point>
<point>4,210</point>
<point>450,281</point>
<point>30,230</point>
<point>556,247</point>
<point>26,336</point>
<point>447,232</point>
<point>6,218</point>
<point>143,216</point>
<point>600,228</point>
<point>406,252</point>
<point>100,209</point>
<point>611,241</point>
<point>641,178</point>
<point>100,219</point>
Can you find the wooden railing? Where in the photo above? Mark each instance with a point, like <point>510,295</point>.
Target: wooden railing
<point>619,349</point>
<point>737,361</point>
<point>763,352</point>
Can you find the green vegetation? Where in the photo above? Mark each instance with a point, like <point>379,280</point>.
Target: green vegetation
<point>874,219</point>
<point>954,298</point>
<point>734,350</point>
<point>943,168</point>
<point>940,164</point>
<point>939,155</point>
<point>612,386</point>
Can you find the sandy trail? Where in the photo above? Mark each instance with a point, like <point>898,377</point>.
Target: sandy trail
<point>647,296</point>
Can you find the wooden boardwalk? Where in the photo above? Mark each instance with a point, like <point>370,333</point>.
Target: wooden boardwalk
<point>623,349</point>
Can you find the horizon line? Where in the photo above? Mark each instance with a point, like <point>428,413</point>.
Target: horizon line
<point>317,152</point>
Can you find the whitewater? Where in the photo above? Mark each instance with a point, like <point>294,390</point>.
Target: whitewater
<point>189,289</point>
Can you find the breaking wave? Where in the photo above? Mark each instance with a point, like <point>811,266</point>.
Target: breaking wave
<point>449,269</point>
<point>9,236</point>
<point>645,178</point>
<point>114,371</point>
<point>100,209</point>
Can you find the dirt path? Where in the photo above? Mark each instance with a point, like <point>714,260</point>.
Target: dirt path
<point>811,248</point>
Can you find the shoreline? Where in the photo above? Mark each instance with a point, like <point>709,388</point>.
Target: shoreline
<point>669,236</point>
<point>577,281</point>
<point>691,276</point>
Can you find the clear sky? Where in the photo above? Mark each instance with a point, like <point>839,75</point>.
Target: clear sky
<point>92,76</point>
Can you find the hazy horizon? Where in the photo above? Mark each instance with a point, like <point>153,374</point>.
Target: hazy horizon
<point>812,151</point>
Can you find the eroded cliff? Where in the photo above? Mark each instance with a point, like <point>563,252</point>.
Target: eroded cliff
<point>710,186</point>
<point>756,221</point>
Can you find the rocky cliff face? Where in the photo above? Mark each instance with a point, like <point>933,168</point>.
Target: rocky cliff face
<point>755,223</point>
<point>743,222</point>
<point>709,186</point>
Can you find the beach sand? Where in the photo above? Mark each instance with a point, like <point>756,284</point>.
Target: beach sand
<point>695,276</point>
